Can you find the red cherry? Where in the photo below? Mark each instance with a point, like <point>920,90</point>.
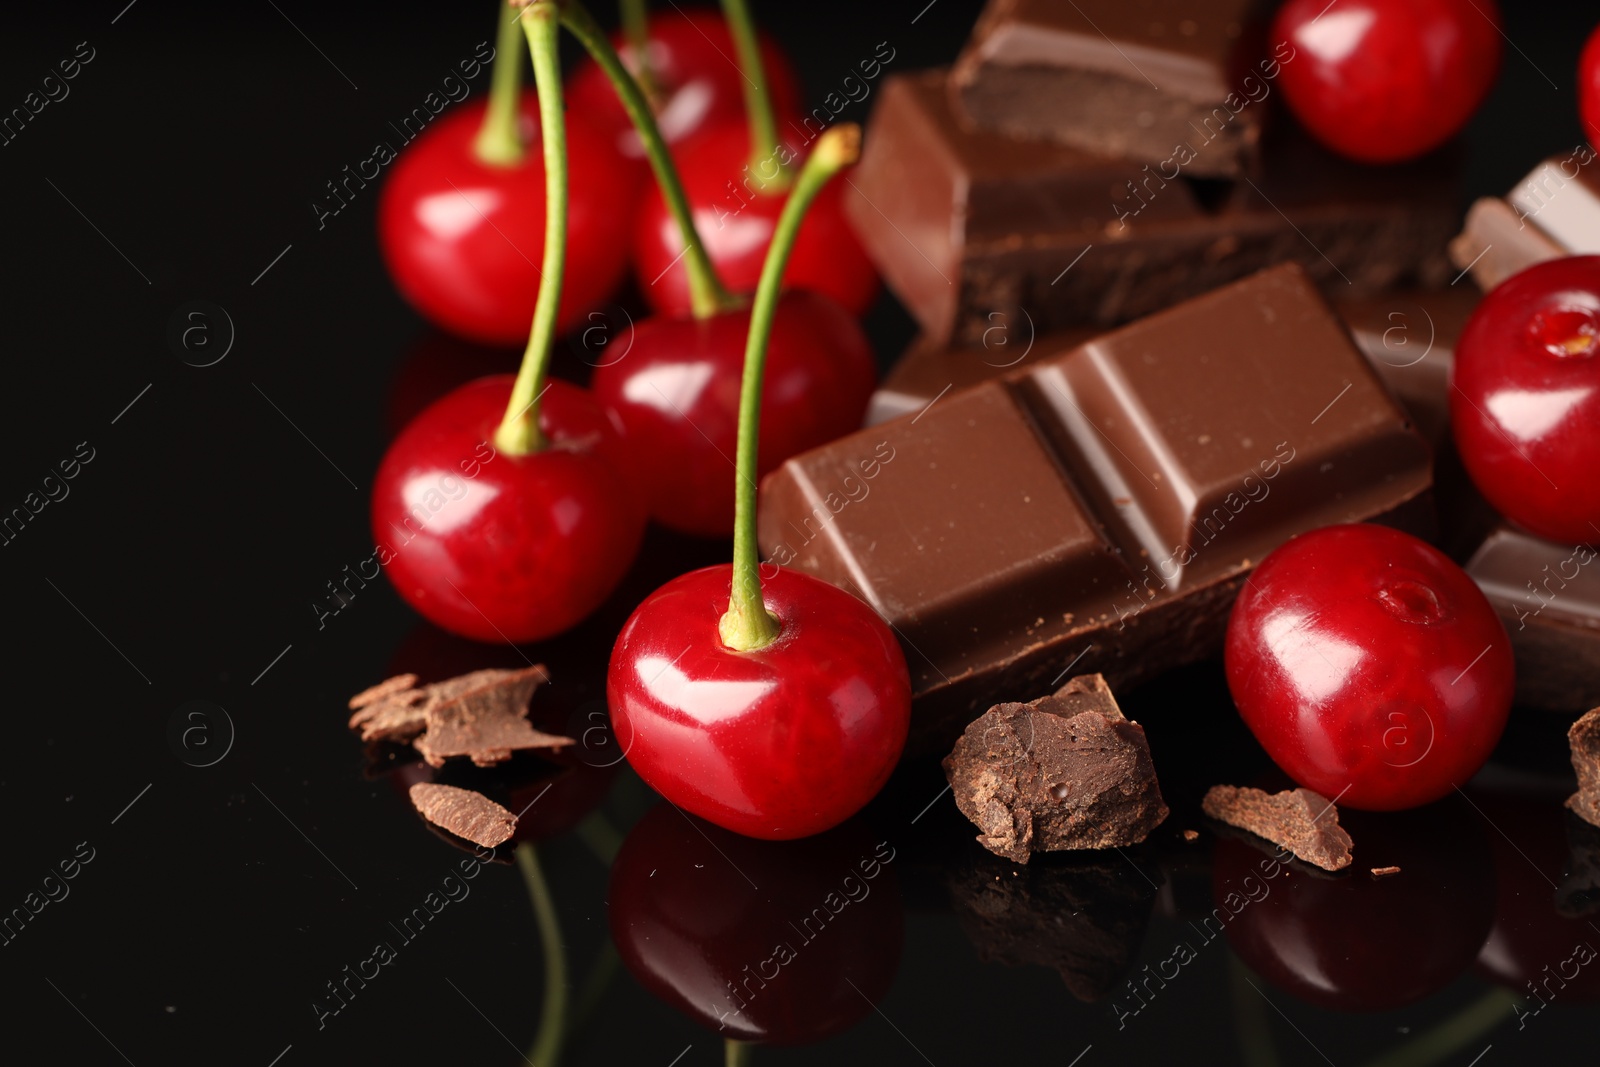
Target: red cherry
<point>780,942</point>
<point>1589,87</point>
<point>692,60</point>
<point>736,224</point>
<point>676,390</point>
<point>1352,942</point>
<point>498,547</point>
<point>463,239</point>
<point>780,742</point>
<point>1369,666</point>
<point>1526,398</point>
<point>1386,80</point>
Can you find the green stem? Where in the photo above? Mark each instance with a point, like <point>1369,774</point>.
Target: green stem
<point>593,988</point>
<point>757,101</point>
<point>499,143</point>
<point>748,625</point>
<point>519,431</point>
<point>546,1051</point>
<point>1462,1030</point>
<point>706,293</point>
<point>636,31</point>
<point>737,1053</point>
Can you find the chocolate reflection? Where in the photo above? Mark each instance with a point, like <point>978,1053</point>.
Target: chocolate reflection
<point>1083,917</point>
<point>785,942</point>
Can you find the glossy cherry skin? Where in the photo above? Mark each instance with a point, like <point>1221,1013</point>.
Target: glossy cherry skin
<point>736,224</point>
<point>463,240</point>
<point>1369,666</point>
<point>1525,401</point>
<point>782,742</point>
<point>772,958</point>
<point>1533,949</point>
<point>1589,87</point>
<point>676,391</point>
<point>498,547</point>
<point>1386,80</point>
<point>693,61</point>
<point>1351,942</point>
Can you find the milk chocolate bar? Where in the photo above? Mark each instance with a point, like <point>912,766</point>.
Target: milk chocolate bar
<point>1548,596</point>
<point>976,230</point>
<point>1098,511</point>
<point>1553,212</point>
<point>1120,78</point>
<point>1409,337</point>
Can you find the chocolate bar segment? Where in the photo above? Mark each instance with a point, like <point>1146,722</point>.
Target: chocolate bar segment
<point>1553,212</point>
<point>1408,336</point>
<point>1548,596</point>
<point>1120,78</point>
<point>976,231</point>
<point>1099,509</point>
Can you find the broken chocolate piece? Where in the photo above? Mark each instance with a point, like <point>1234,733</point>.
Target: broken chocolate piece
<point>486,721</point>
<point>464,813</point>
<point>481,714</point>
<point>1304,822</point>
<point>1384,872</point>
<point>1584,738</point>
<point>1066,771</point>
<point>1083,919</point>
<point>1553,212</point>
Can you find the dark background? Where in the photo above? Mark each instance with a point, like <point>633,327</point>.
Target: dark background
<point>190,550</point>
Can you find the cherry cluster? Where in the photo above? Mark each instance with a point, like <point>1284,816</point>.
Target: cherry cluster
<point>516,219</point>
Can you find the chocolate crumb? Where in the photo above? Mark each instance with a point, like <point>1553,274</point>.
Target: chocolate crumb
<point>1191,835</point>
<point>1304,822</point>
<point>464,813</point>
<point>1584,740</point>
<point>1384,872</point>
<point>1066,771</point>
<point>482,715</point>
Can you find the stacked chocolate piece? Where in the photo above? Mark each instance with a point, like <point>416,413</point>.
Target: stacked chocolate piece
<point>1039,492</point>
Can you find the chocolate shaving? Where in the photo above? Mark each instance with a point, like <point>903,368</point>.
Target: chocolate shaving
<point>1384,872</point>
<point>482,715</point>
<point>1304,822</point>
<point>464,813</point>
<point>1584,740</point>
<point>1191,835</point>
<point>1066,771</point>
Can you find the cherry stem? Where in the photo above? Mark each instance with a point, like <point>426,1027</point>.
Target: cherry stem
<point>519,432</point>
<point>553,1013</point>
<point>757,101</point>
<point>636,31</point>
<point>499,142</point>
<point>706,293</point>
<point>737,1053</point>
<point>748,625</point>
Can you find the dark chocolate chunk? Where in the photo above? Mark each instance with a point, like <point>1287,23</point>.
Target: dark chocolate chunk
<point>1548,595</point>
<point>1123,79</point>
<point>978,232</point>
<point>1584,739</point>
<point>1066,771</point>
<point>1304,822</point>
<point>1553,212</point>
<point>463,812</point>
<point>1084,919</point>
<point>1106,503</point>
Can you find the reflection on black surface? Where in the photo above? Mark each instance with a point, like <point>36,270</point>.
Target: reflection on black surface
<point>1082,915</point>
<point>787,942</point>
<point>1358,943</point>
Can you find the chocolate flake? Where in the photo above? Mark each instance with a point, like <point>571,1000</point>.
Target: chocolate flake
<point>464,813</point>
<point>1584,739</point>
<point>1066,771</point>
<point>482,715</point>
<point>1304,822</point>
<point>1384,872</point>
<point>1191,835</point>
